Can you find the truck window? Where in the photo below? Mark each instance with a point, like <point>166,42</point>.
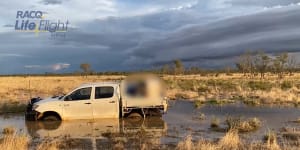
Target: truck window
<point>80,94</point>
<point>104,92</point>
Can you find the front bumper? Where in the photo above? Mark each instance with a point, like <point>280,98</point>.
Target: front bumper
<point>32,115</point>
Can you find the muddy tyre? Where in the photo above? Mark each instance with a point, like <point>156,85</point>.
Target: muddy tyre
<point>50,118</point>
<point>134,118</point>
<point>134,115</point>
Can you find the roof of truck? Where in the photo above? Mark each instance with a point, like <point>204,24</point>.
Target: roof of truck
<point>101,83</point>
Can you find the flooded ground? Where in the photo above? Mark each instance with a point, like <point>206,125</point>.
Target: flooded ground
<point>181,120</point>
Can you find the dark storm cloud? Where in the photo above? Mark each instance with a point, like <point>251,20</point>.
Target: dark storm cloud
<point>273,31</point>
<point>266,3</point>
<point>51,2</point>
<point>152,40</point>
<point>121,34</point>
<point>197,37</point>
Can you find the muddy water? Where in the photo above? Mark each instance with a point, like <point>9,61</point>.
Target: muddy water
<point>181,120</point>
<point>184,118</point>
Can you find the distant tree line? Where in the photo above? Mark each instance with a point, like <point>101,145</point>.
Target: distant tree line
<point>253,63</point>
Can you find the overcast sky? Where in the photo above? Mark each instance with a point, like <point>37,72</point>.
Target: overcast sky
<point>134,34</point>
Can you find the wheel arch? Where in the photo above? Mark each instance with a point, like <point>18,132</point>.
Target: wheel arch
<point>50,113</point>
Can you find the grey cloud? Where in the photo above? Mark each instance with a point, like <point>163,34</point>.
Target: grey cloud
<point>32,66</point>
<point>130,43</point>
<point>59,66</point>
<point>225,39</point>
<point>51,2</point>
<point>120,34</point>
<point>12,55</point>
<point>53,67</point>
<point>142,41</point>
<point>266,3</point>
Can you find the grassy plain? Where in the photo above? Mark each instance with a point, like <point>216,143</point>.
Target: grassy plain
<point>211,88</point>
<point>236,87</point>
<point>15,91</point>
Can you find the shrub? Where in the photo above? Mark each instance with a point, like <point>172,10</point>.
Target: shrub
<point>182,96</point>
<point>223,84</point>
<point>249,125</point>
<point>285,85</point>
<point>203,89</point>
<point>186,84</point>
<point>260,85</point>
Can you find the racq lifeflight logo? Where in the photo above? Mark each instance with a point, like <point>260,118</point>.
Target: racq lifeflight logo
<point>35,21</point>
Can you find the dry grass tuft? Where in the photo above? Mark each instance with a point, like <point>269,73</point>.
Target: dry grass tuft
<point>205,145</point>
<point>231,140</point>
<point>8,131</point>
<point>249,125</point>
<point>271,141</point>
<point>215,122</point>
<point>48,145</point>
<point>14,142</point>
<point>186,144</point>
<point>11,140</point>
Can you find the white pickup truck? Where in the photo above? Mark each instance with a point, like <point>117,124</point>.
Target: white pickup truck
<point>128,98</point>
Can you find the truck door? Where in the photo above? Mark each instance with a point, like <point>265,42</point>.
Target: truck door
<point>105,102</point>
<point>78,104</point>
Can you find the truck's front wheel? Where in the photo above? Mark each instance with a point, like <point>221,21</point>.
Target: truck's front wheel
<point>50,118</point>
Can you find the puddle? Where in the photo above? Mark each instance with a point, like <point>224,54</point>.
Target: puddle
<point>181,120</point>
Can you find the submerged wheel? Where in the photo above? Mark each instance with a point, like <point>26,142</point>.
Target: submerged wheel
<point>51,122</point>
<point>50,118</point>
<point>134,115</point>
<point>135,118</point>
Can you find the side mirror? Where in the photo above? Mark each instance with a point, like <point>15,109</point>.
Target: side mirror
<point>68,98</point>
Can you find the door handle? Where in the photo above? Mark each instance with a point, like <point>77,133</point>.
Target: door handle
<point>112,101</point>
<point>87,103</point>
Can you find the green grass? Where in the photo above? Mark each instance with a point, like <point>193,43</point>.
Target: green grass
<point>13,107</point>
<point>222,84</point>
<point>203,89</point>
<point>285,85</point>
<point>260,85</point>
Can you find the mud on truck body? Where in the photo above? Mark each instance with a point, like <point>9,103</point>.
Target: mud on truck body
<point>132,97</point>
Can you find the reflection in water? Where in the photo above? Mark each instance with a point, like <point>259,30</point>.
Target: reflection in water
<point>102,133</point>
<point>181,120</point>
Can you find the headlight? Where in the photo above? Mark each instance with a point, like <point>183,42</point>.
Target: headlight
<point>34,107</point>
